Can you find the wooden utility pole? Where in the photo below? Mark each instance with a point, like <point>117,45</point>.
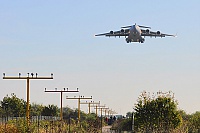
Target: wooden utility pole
<point>28,78</point>
<point>79,100</point>
<point>111,112</point>
<point>101,108</point>
<point>89,104</point>
<point>61,94</point>
<point>97,106</point>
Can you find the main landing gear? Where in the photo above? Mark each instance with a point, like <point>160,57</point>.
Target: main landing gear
<point>141,40</point>
<point>138,40</point>
<point>128,40</point>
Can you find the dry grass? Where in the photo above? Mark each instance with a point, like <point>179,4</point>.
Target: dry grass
<point>8,128</point>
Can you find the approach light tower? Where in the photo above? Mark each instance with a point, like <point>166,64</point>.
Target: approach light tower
<point>28,78</point>
<point>61,94</point>
<point>79,100</point>
<point>96,107</point>
<point>111,112</point>
<point>89,104</point>
<point>102,108</point>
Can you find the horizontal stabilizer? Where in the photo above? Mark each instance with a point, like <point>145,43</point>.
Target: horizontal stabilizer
<point>141,26</point>
<point>144,26</point>
<point>127,26</point>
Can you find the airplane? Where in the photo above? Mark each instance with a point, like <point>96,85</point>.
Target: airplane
<point>135,33</point>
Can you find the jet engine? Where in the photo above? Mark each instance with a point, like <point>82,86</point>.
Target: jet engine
<point>158,32</point>
<point>111,32</point>
<point>147,31</point>
<point>122,30</point>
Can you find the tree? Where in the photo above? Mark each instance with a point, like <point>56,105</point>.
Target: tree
<point>191,122</point>
<point>67,112</point>
<point>186,123</point>
<point>50,110</point>
<point>195,122</point>
<point>36,109</point>
<point>126,124</point>
<point>13,106</point>
<point>129,114</point>
<point>156,113</point>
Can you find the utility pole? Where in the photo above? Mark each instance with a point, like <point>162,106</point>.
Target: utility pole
<point>111,112</point>
<point>101,108</point>
<point>79,100</point>
<point>28,78</point>
<point>61,94</point>
<point>105,112</point>
<point>108,113</point>
<point>133,122</point>
<point>98,107</point>
<point>89,104</point>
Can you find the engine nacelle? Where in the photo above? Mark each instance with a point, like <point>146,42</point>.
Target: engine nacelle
<point>122,30</point>
<point>111,32</point>
<point>147,31</point>
<point>158,32</point>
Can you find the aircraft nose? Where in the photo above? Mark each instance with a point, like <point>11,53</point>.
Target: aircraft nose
<point>133,29</point>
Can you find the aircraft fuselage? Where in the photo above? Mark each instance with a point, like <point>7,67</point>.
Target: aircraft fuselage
<point>135,35</point>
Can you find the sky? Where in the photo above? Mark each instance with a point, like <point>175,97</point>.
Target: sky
<point>57,37</point>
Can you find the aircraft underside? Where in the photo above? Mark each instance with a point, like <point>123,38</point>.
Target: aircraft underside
<point>141,40</point>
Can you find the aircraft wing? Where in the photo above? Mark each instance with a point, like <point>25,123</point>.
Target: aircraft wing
<point>122,32</point>
<point>154,34</point>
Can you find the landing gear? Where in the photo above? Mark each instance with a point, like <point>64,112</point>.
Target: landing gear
<point>128,40</point>
<point>141,40</point>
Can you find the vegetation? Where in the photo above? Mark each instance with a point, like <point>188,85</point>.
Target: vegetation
<point>13,106</point>
<point>43,118</point>
<point>152,113</point>
<point>159,114</point>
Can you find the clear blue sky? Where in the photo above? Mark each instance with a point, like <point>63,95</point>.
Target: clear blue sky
<point>58,37</point>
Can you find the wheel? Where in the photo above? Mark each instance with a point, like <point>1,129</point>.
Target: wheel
<point>127,40</point>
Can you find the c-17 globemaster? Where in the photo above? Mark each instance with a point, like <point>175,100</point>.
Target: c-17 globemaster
<point>135,33</point>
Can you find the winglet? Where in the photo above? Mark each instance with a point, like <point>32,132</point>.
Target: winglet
<point>175,35</point>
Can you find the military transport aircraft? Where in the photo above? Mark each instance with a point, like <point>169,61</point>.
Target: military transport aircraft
<point>134,33</point>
